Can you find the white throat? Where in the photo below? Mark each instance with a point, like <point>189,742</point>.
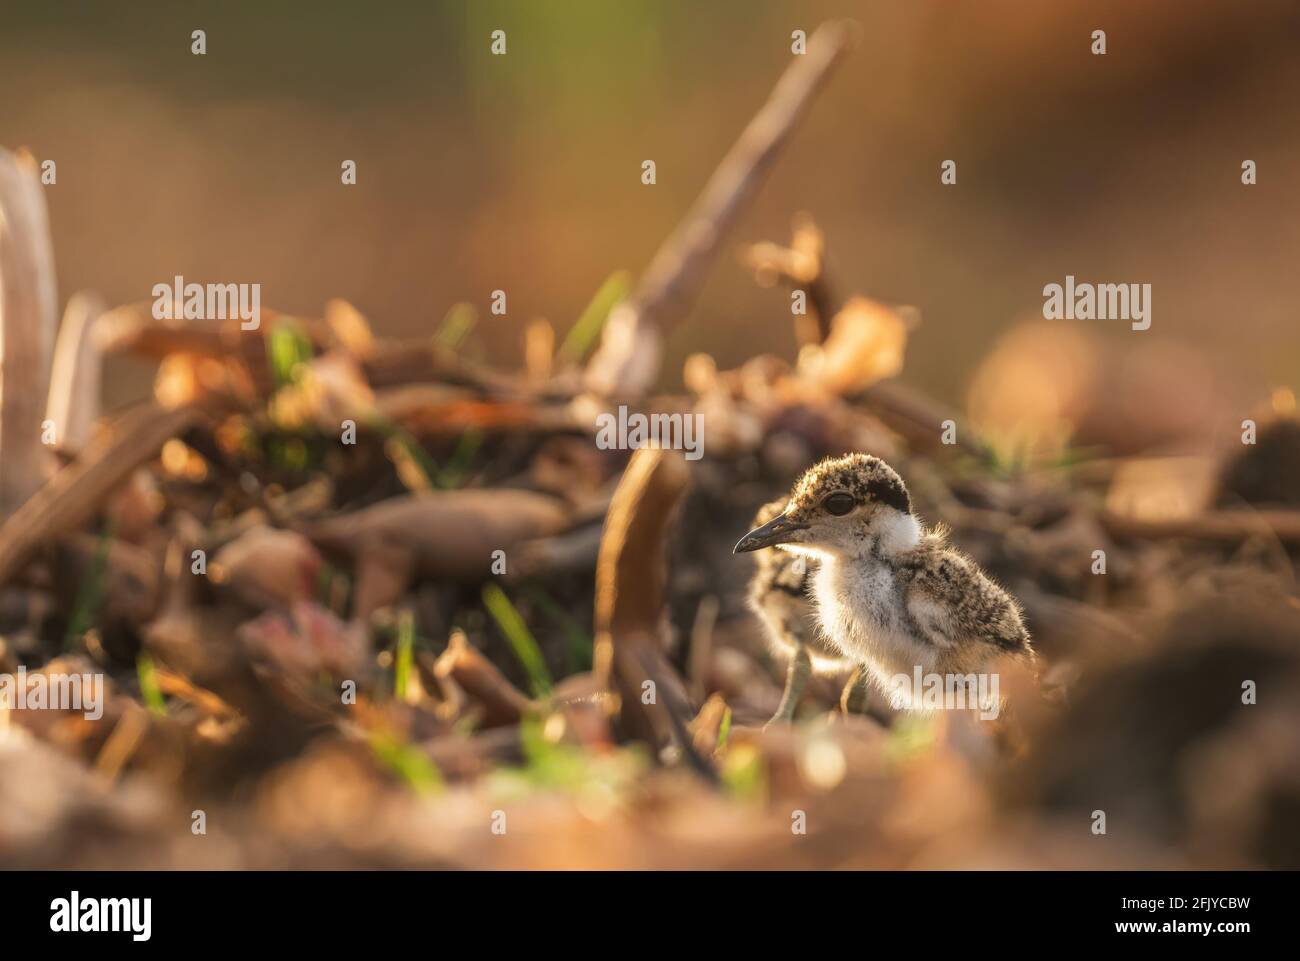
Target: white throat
<point>897,533</point>
<point>859,606</point>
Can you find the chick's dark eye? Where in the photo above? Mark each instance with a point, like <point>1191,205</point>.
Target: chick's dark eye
<point>838,504</point>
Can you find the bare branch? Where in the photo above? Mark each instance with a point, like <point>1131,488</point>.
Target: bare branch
<point>627,361</point>
<point>74,494</point>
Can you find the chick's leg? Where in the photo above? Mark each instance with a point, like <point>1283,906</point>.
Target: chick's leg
<point>796,678</point>
<point>853,700</point>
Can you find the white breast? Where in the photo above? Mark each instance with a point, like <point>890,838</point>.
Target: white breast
<point>860,609</point>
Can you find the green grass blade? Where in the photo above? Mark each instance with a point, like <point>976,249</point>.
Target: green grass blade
<point>743,773</point>
<point>287,347</point>
<point>150,692</point>
<point>910,737</point>
<point>408,762</point>
<point>457,468</point>
<point>408,445</point>
<point>724,729</point>
<point>581,644</point>
<point>405,655</point>
<point>520,638</point>
<point>90,595</point>
<point>582,335</point>
<point>455,327</point>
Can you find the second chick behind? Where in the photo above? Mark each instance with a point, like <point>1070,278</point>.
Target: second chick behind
<point>778,595</point>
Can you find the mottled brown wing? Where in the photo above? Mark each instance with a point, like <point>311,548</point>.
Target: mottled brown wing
<point>953,602</point>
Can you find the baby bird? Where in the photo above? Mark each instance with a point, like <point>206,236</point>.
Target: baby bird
<point>778,595</point>
<point>890,594</point>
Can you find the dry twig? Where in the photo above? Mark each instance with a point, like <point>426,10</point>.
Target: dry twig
<point>627,361</point>
<point>630,599</point>
<point>28,302</point>
<point>1226,526</point>
<point>73,404</point>
<point>74,494</point>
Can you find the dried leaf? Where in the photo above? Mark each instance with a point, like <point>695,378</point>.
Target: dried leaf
<point>266,567</point>
<point>865,345</point>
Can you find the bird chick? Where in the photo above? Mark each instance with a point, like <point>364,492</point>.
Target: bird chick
<point>890,594</point>
<point>778,595</point>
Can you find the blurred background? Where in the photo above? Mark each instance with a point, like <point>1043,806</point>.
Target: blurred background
<point>522,172</point>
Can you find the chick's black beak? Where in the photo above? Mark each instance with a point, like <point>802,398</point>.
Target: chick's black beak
<point>775,531</point>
